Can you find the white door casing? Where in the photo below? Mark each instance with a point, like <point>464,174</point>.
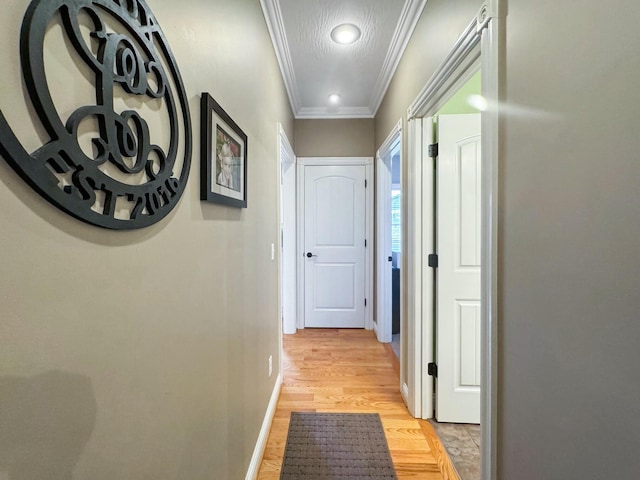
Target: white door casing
<point>383,245</point>
<point>411,381</point>
<point>459,268</point>
<point>288,233</point>
<point>333,229</point>
<point>426,288</point>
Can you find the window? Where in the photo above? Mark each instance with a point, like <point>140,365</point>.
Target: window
<point>396,237</point>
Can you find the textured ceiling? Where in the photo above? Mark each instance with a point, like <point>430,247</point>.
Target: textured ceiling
<point>313,66</point>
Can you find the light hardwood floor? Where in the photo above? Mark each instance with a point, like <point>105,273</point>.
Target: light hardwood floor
<point>332,370</point>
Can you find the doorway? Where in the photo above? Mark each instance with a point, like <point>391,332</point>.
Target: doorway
<point>335,242</point>
<point>389,240</point>
<point>457,163</point>
<point>458,245</point>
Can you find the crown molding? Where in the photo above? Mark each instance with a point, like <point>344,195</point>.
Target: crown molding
<point>406,25</point>
<point>273,17</point>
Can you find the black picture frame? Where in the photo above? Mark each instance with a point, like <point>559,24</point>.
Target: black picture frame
<point>223,174</point>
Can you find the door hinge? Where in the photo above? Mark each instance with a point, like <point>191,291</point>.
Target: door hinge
<point>432,150</point>
<point>433,260</point>
<point>432,369</point>
<point>365,242</point>
<point>365,183</point>
<point>365,302</point>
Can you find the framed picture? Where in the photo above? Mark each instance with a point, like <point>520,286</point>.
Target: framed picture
<point>223,175</point>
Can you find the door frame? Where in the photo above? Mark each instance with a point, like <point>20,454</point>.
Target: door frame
<point>481,44</point>
<point>288,220</point>
<point>367,162</point>
<point>382,324</point>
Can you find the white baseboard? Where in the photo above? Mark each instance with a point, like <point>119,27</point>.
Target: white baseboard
<point>261,443</point>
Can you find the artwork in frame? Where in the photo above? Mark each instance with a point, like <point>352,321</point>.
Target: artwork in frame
<point>223,176</point>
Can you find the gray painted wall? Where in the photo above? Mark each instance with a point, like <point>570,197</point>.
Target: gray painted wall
<point>334,138</point>
<point>569,230</point>
<point>570,242</point>
<point>139,355</point>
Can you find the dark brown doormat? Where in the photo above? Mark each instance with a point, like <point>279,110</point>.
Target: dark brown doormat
<point>336,446</point>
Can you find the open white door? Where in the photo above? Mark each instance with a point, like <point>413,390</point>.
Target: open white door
<point>383,243</point>
<point>458,273</point>
<point>334,246</point>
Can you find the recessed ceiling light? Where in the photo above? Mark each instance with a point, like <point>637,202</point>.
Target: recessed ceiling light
<point>345,34</point>
<point>334,98</point>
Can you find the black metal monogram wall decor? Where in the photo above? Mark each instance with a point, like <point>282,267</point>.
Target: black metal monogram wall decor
<point>125,179</point>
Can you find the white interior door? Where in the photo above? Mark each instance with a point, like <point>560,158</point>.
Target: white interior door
<point>458,272</point>
<point>334,246</point>
<point>383,242</point>
<point>388,169</point>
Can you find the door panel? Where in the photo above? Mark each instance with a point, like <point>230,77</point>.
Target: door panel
<point>335,284</point>
<point>468,214</point>
<point>334,233</point>
<point>458,273</point>
<point>468,324</point>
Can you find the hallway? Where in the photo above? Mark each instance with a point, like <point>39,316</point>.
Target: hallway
<point>333,370</point>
